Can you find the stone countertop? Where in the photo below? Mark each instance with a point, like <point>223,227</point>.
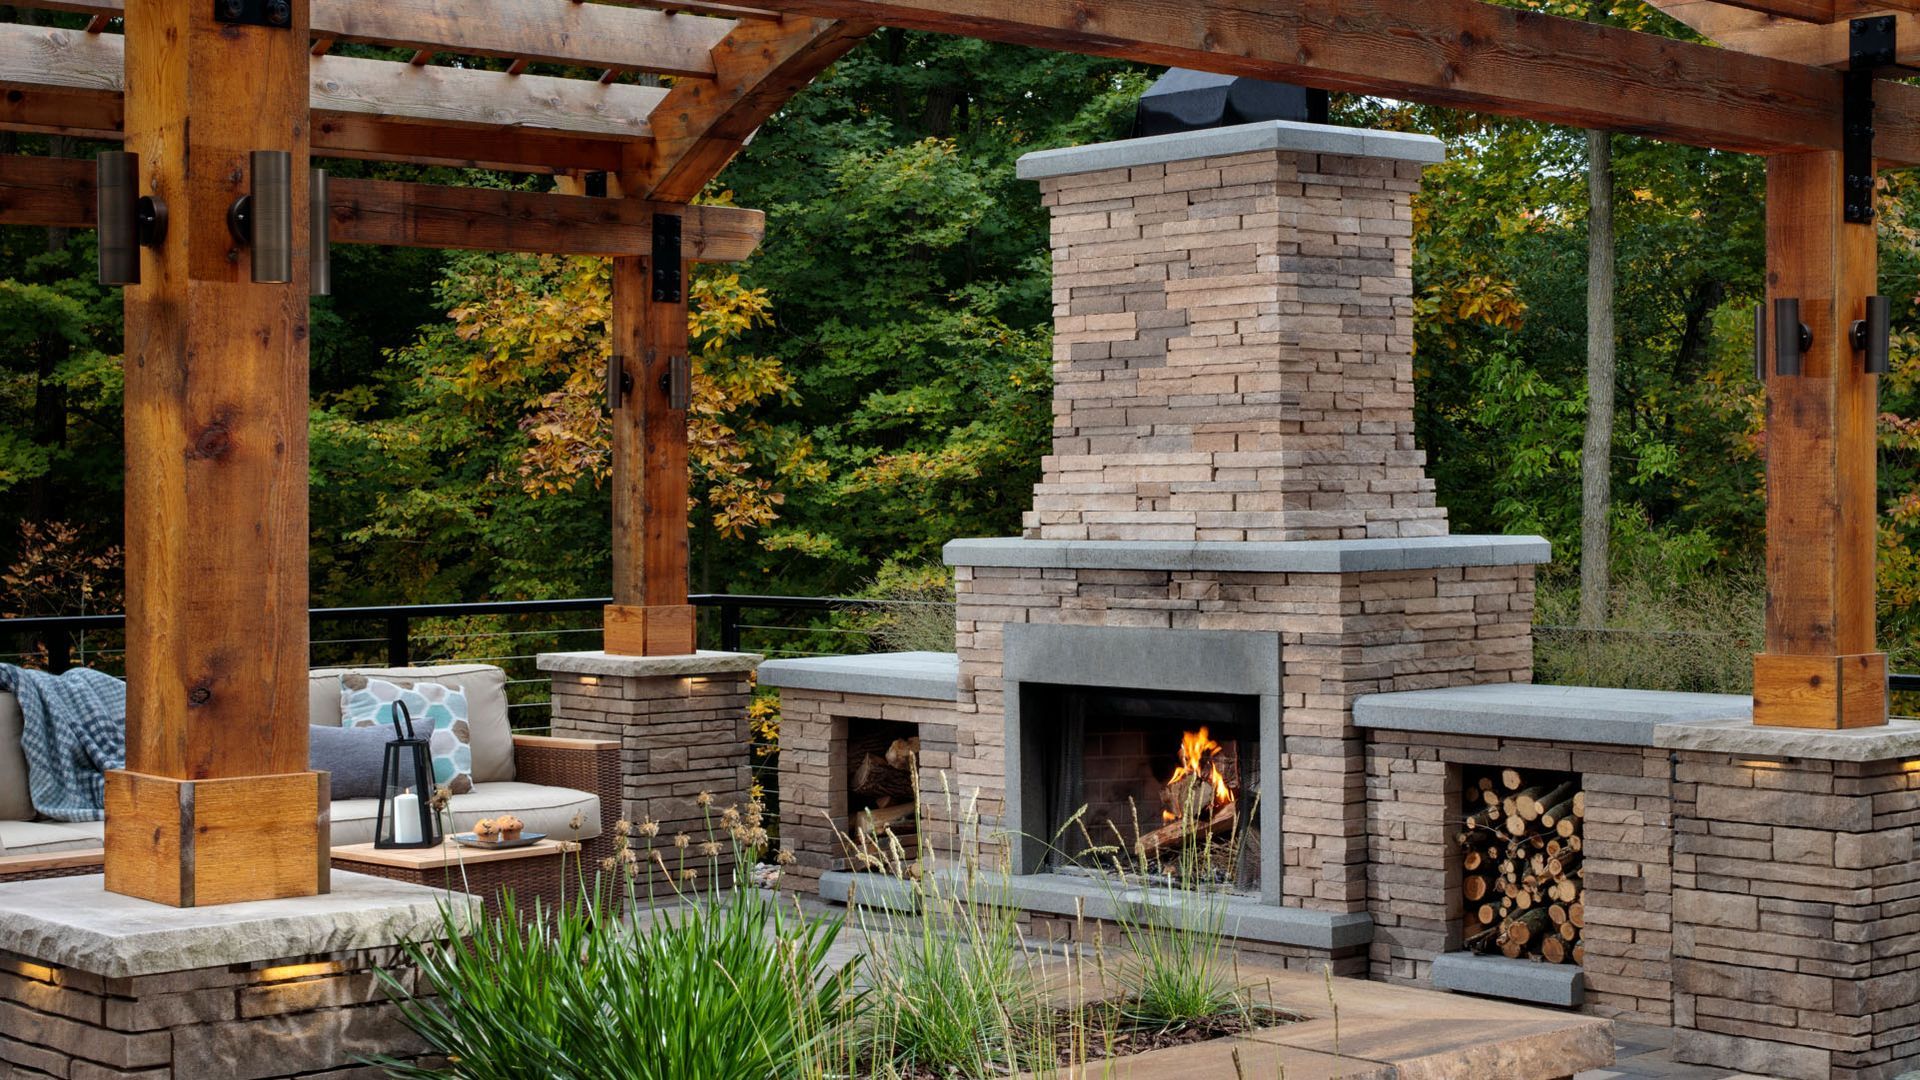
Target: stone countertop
<point>1707,723</point>
<point>1291,556</point>
<point>930,676</point>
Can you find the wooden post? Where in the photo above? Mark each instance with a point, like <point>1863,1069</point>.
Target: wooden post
<point>216,803</point>
<point>649,615</point>
<point>1820,668</point>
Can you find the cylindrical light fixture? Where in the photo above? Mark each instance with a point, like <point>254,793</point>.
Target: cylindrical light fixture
<point>1871,336</point>
<point>272,214</point>
<point>117,190</point>
<point>319,262</point>
<point>1791,338</point>
<point>1760,342</point>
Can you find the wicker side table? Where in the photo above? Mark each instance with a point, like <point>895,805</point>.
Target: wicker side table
<point>535,872</point>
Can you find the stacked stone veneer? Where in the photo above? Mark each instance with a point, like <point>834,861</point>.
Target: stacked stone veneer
<point>1234,339</point>
<point>307,1016</point>
<point>1342,635</point>
<point>681,722</point>
<point>1797,915</point>
<point>1414,877</point>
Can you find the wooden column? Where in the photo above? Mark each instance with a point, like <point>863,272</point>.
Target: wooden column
<point>1820,668</point>
<point>649,615</point>
<point>216,804</point>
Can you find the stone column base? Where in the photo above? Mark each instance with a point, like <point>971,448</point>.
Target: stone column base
<point>96,984</point>
<point>681,722</point>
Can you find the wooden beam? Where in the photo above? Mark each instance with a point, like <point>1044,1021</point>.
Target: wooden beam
<point>649,615</point>
<point>1459,53</point>
<point>59,192</point>
<point>1821,668</point>
<point>703,7</point>
<point>216,803</point>
<point>377,138</point>
<point>575,34</point>
<point>38,58</point>
<point>702,124</point>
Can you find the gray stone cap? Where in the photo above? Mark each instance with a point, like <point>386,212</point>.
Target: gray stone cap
<point>1585,714</point>
<point>75,922</point>
<point>1287,135</point>
<point>932,676</point>
<point>1564,985</point>
<point>1253,556</point>
<point>647,667</point>
<point>1061,894</point>
<point>1896,740</point>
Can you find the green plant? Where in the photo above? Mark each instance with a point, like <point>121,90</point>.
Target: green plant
<point>730,984</point>
<point>955,987</point>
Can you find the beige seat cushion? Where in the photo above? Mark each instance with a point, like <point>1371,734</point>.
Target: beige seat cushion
<point>490,732</point>
<point>16,802</point>
<point>47,837</point>
<point>544,809</point>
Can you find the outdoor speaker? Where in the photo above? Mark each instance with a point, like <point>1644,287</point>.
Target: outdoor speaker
<point>319,259</point>
<point>126,220</point>
<point>263,219</point>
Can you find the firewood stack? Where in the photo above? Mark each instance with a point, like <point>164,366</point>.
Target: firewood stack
<point>1520,853</point>
<point>882,785</point>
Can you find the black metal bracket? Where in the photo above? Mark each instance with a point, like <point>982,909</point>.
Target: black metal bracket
<point>277,14</point>
<point>1870,45</point>
<point>594,184</point>
<point>666,259</point>
<point>619,383</point>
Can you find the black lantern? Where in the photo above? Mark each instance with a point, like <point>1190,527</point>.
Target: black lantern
<point>404,817</point>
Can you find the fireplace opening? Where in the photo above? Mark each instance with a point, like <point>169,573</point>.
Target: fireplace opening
<point>1168,782</point>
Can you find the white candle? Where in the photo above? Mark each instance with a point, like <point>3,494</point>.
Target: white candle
<point>406,818</point>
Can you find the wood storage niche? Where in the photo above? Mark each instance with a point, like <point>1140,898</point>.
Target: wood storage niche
<point>882,812</point>
<point>1520,874</point>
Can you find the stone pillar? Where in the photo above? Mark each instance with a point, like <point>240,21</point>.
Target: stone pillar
<point>94,984</point>
<point>681,722</point>
<point>1795,901</point>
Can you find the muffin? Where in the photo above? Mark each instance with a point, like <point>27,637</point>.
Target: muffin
<point>486,829</point>
<point>509,826</point>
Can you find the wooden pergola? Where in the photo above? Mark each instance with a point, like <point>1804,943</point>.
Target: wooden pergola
<point>217,804</point>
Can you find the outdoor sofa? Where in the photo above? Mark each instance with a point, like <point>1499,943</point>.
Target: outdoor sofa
<point>546,782</point>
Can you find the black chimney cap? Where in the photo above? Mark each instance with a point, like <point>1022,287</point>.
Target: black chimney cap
<point>1184,100</point>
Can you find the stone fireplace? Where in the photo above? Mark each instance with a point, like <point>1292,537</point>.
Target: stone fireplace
<point>1233,531</point>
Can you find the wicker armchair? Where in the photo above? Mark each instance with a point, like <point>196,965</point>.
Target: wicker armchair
<point>582,764</point>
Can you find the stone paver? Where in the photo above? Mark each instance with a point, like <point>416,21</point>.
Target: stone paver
<point>1641,1052</point>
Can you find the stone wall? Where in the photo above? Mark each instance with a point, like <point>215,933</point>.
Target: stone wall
<point>310,1016</point>
<point>1797,915</point>
<point>1342,635</point>
<point>1233,347</point>
<point>1414,819</point>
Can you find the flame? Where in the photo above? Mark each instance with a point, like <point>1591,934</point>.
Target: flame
<point>1198,752</point>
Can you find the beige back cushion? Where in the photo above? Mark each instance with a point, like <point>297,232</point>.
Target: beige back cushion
<point>489,730</point>
<point>16,802</point>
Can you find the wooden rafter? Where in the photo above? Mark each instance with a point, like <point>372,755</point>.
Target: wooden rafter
<point>586,35</point>
<point>60,192</point>
<point>702,7</point>
<point>1460,53</point>
<point>36,58</point>
<point>1823,11</point>
<point>702,124</point>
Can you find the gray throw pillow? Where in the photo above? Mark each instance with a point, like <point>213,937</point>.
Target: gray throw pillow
<point>354,757</point>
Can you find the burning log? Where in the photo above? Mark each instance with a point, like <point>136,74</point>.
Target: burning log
<point>1521,863</point>
<point>1175,833</point>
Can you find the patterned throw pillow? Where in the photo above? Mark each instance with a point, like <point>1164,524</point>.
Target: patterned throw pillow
<point>439,715</point>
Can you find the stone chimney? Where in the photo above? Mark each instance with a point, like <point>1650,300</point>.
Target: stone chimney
<point>1233,350</point>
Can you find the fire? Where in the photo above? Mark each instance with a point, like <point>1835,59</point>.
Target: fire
<point>1198,760</point>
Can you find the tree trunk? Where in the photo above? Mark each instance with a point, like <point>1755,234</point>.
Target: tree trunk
<point>1596,453</point>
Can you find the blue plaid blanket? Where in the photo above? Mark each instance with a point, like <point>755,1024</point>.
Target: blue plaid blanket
<point>75,729</point>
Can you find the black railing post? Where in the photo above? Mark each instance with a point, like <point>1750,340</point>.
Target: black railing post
<point>59,652</point>
<point>399,648</point>
<point>729,627</point>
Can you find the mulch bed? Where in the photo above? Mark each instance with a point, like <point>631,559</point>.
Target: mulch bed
<point>1108,1032</point>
